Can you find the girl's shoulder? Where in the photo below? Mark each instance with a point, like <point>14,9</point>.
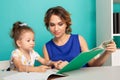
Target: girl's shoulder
<point>34,53</point>
<point>16,53</point>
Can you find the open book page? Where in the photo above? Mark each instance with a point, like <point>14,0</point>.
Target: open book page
<point>32,75</point>
<point>104,44</point>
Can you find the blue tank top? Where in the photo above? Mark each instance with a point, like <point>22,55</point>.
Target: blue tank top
<point>66,52</point>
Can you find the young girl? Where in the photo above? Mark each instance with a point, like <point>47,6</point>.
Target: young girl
<point>23,57</point>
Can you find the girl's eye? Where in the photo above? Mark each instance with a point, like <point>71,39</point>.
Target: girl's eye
<point>28,40</point>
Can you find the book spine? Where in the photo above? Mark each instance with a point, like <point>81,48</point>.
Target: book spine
<point>115,24</point>
<point>118,22</point>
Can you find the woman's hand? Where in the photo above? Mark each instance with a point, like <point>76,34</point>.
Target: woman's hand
<point>60,64</point>
<point>111,47</point>
<point>55,63</point>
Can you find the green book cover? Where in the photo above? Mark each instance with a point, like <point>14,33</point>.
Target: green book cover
<point>81,60</point>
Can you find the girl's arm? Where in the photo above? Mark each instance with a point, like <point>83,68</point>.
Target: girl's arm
<point>24,68</point>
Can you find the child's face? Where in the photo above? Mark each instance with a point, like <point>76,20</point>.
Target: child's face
<point>27,41</point>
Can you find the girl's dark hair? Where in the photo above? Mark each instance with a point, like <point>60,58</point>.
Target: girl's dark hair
<point>18,29</point>
<point>62,13</point>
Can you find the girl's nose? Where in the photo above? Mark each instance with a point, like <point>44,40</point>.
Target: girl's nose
<point>32,42</point>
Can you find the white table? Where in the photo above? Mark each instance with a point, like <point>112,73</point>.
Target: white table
<point>90,73</point>
<point>94,73</point>
<point>15,75</point>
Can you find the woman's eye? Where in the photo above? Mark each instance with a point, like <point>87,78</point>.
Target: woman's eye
<point>51,24</point>
<point>60,24</point>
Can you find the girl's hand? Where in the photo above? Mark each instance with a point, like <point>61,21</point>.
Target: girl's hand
<point>42,68</point>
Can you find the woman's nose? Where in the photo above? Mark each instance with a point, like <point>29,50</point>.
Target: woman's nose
<point>56,28</point>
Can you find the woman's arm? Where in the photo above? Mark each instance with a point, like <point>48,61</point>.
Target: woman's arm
<point>102,58</point>
<point>46,56</point>
<point>83,44</point>
<point>111,47</point>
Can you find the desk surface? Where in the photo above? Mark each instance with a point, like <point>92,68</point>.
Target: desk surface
<point>15,75</point>
<point>90,73</point>
<point>94,73</point>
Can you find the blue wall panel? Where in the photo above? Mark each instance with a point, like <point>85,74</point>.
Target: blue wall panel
<point>32,12</point>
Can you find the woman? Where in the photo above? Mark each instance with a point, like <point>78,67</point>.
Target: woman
<point>66,46</point>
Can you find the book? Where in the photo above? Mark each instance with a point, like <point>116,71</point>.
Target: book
<point>118,28</point>
<point>14,75</point>
<point>115,23</point>
<point>84,57</point>
<point>117,41</point>
<point>81,60</point>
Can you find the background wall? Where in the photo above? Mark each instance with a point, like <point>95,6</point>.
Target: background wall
<point>32,12</point>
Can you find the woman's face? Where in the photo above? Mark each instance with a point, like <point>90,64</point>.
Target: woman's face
<point>56,26</point>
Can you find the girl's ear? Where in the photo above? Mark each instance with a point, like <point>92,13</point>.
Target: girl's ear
<point>18,42</point>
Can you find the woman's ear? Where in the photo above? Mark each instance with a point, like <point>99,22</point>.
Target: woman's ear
<point>18,42</point>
